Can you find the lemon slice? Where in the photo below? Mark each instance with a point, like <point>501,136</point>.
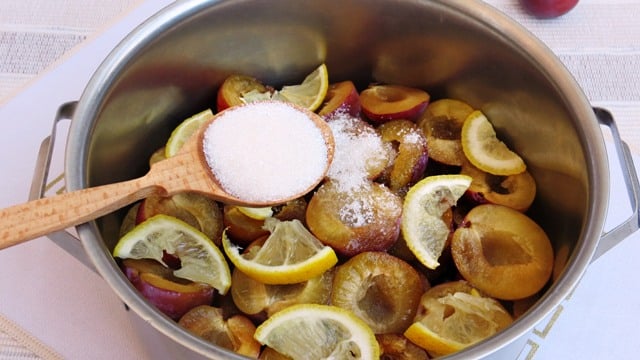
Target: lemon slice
<point>456,321</point>
<point>291,254</point>
<point>310,93</point>
<point>201,260</point>
<point>310,331</point>
<point>184,131</point>
<point>257,213</point>
<point>484,150</point>
<point>422,226</point>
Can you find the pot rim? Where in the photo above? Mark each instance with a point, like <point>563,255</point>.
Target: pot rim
<point>508,29</point>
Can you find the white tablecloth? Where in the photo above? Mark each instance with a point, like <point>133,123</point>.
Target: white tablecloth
<point>51,306</point>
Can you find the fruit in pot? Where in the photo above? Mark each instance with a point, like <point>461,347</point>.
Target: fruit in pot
<point>171,295</point>
<point>359,153</point>
<point>365,218</point>
<point>410,148</point>
<point>259,300</point>
<point>196,210</point>
<point>381,289</point>
<point>234,333</point>
<point>396,346</point>
<point>244,227</point>
<point>341,97</point>
<point>546,9</point>
<point>234,89</point>
<point>515,191</point>
<point>381,103</point>
<point>442,123</point>
<point>454,315</point>
<point>502,252</point>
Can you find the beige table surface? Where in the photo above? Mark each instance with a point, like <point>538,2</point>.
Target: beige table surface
<point>599,42</point>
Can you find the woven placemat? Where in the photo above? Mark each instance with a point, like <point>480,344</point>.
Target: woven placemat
<point>35,34</point>
<point>17,344</point>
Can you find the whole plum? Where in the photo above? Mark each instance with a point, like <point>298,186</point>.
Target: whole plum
<point>547,9</point>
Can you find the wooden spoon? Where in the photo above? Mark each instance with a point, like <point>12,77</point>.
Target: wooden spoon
<point>186,171</point>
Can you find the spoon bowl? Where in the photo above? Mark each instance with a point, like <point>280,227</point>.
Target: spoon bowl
<point>188,170</point>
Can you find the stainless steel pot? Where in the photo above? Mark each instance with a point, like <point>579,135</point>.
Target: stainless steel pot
<point>170,67</point>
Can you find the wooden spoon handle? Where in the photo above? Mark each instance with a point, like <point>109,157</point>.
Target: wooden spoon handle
<point>36,218</point>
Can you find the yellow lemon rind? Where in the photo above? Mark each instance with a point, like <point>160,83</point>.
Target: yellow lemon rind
<point>424,337</point>
<point>184,130</point>
<point>213,271</point>
<point>306,94</point>
<point>485,151</point>
<point>422,227</point>
<point>314,266</point>
<point>360,331</point>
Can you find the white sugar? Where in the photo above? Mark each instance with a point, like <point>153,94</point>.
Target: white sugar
<point>356,147</point>
<point>265,151</point>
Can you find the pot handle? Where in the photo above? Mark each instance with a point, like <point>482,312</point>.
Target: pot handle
<point>612,237</point>
<point>64,239</point>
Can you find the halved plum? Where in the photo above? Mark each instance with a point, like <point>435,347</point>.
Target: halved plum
<point>382,103</point>
<point>366,218</point>
<point>359,150</point>
<point>235,87</point>
<point>515,191</point>
<point>502,252</point>
<point>441,123</point>
<point>171,295</point>
<point>381,289</point>
<point>410,148</point>
<point>235,333</point>
<point>341,98</point>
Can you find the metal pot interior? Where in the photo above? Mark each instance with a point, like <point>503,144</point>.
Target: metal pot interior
<point>171,67</point>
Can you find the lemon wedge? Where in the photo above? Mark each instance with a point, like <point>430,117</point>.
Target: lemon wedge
<point>311,331</point>
<point>200,258</point>
<point>310,93</point>
<point>290,255</point>
<point>184,131</point>
<point>485,151</point>
<point>422,226</point>
<point>455,321</point>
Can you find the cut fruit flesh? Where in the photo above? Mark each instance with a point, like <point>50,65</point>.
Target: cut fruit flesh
<point>200,258</point>
<point>291,254</point>
<point>422,226</point>
<point>318,332</point>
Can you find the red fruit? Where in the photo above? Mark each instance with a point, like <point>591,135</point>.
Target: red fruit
<point>502,252</point>
<point>441,123</point>
<point>173,296</point>
<point>515,191</point>
<point>381,289</point>
<point>410,152</point>
<point>382,103</point>
<point>234,87</point>
<point>546,9</point>
<point>341,97</point>
<point>235,333</point>
<point>366,218</point>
